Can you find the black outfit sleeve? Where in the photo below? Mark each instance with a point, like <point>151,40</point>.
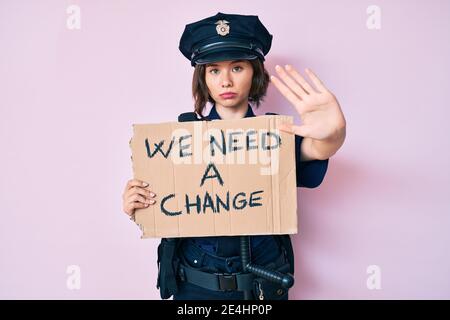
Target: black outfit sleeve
<point>309,173</point>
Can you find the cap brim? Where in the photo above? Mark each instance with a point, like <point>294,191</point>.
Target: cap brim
<point>224,56</point>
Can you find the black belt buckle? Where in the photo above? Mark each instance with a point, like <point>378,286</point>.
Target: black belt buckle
<point>227,282</point>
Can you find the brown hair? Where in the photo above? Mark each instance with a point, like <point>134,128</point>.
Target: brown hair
<point>260,82</point>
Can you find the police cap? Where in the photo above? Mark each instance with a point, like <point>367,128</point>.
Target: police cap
<point>225,37</point>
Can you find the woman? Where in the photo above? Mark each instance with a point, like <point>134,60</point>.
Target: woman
<point>228,53</point>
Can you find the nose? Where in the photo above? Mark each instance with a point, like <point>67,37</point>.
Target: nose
<point>226,80</point>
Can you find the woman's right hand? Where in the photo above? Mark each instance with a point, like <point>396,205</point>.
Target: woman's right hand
<point>136,196</point>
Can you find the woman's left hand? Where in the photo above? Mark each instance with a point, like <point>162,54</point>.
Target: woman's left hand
<point>318,108</point>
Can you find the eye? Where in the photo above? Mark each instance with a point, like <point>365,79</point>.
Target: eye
<point>213,71</point>
<point>237,68</point>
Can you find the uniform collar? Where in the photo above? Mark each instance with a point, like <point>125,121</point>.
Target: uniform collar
<point>213,115</point>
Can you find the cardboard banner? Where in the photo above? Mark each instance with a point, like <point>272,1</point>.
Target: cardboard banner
<point>217,178</point>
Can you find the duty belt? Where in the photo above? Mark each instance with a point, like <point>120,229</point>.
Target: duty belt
<point>222,281</point>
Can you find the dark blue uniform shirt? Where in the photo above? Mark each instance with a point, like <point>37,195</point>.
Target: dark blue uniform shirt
<point>309,174</point>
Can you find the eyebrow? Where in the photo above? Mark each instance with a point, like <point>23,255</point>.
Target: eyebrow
<point>215,65</point>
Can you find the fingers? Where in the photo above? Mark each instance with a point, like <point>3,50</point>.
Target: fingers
<point>315,79</point>
<point>285,91</point>
<point>136,196</point>
<point>297,76</point>
<point>138,205</point>
<point>136,201</point>
<point>140,195</point>
<point>138,190</point>
<point>295,86</point>
<point>135,183</point>
<point>131,207</point>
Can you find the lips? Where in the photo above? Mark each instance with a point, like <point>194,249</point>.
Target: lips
<point>228,95</point>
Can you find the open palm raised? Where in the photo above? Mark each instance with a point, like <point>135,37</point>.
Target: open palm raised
<point>319,110</point>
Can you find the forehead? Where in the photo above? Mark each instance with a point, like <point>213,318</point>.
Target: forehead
<point>225,63</point>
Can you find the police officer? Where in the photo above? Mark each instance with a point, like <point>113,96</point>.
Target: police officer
<point>228,52</point>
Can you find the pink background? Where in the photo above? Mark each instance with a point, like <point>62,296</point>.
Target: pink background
<point>68,99</point>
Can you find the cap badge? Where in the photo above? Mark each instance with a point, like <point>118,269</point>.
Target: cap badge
<point>222,27</point>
